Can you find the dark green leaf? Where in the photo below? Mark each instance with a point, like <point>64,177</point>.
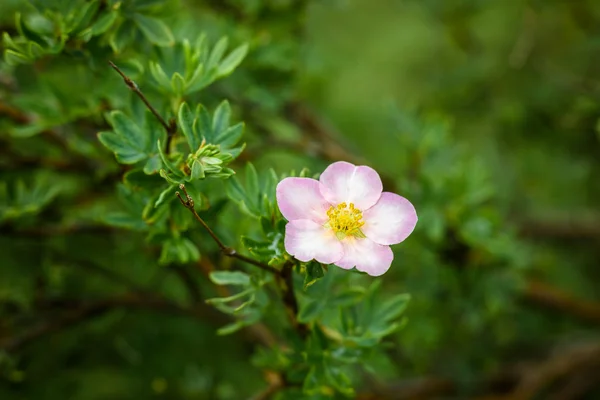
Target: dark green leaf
<point>155,30</point>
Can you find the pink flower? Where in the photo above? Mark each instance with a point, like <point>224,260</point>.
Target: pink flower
<point>344,218</point>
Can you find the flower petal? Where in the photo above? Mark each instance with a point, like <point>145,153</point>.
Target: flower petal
<point>306,239</point>
<point>345,182</point>
<point>300,198</point>
<point>391,220</point>
<point>366,255</point>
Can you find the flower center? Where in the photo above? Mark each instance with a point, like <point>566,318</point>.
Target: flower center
<point>345,220</point>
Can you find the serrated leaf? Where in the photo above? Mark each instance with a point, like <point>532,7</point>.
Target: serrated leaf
<point>155,30</point>
<point>230,278</point>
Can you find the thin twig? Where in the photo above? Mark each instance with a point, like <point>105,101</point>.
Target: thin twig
<point>170,128</point>
<point>188,203</point>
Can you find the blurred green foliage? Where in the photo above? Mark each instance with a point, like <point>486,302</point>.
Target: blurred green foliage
<point>483,114</point>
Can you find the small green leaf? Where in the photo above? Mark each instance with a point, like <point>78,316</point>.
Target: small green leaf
<point>187,123</point>
<point>230,278</point>
<point>221,117</point>
<point>121,36</point>
<point>153,165</point>
<point>391,308</point>
<point>217,53</point>
<point>164,196</point>
<point>204,124</point>
<point>230,328</point>
<point>230,136</point>
<point>314,272</point>
<point>103,24</point>
<point>13,58</point>
<point>252,184</point>
<point>197,170</point>
<point>230,63</point>
<point>128,142</point>
<point>155,30</point>
<point>160,76</point>
<point>178,83</point>
<point>310,310</point>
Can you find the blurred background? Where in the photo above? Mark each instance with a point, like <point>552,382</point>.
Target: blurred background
<point>483,113</point>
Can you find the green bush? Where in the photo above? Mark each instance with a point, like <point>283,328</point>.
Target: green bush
<point>142,245</point>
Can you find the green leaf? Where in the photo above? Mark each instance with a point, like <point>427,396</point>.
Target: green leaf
<point>153,165</point>
<point>252,184</point>
<point>178,84</point>
<point>230,328</point>
<point>187,123</point>
<point>128,142</point>
<point>230,278</point>
<point>221,117</point>
<point>204,124</point>
<point>217,53</point>
<point>222,300</point>
<point>391,308</point>
<point>230,136</point>
<point>13,58</point>
<point>103,24</point>
<point>310,310</point>
<point>121,36</point>
<point>314,272</point>
<point>178,250</point>
<point>164,196</point>
<point>160,76</point>
<point>230,63</point>
<point>155,30</point>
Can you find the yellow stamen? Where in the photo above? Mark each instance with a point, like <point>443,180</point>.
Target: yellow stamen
<point>345,220</point>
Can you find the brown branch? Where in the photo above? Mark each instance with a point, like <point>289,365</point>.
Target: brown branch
<point>188,203</point>
<point>170,128</point>
<point>549,296</point>
<point>572,227</point>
